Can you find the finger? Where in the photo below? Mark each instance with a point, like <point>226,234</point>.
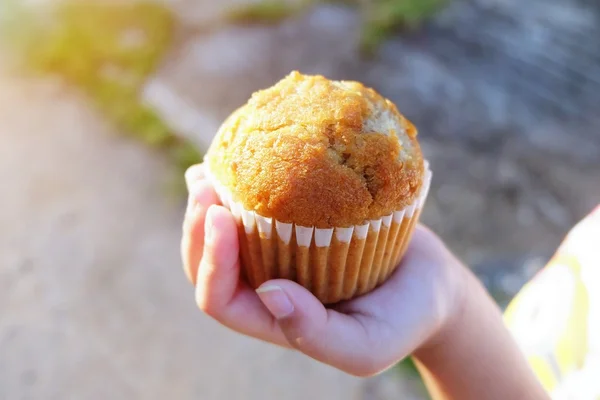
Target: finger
<point>219,291</point>
<point>582,241</point>
<point>193,174</point>
<point>326,335</point>
<point>202,196</point>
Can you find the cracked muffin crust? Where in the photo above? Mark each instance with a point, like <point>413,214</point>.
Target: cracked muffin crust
<point>317,152</point>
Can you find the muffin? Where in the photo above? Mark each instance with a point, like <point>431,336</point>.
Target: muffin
<point>326,180</point>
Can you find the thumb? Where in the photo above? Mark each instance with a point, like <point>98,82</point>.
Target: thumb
<point>326,335</point>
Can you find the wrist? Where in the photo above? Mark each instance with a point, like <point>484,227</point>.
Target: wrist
<point>473,346</point>
<point>457,314</point>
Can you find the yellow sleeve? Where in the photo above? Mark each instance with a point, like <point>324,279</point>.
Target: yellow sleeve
<point>549,319</point>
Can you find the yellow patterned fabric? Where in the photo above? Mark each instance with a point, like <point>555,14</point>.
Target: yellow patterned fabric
<point>556,317</point>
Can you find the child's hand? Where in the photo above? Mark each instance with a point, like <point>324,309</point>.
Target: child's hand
<point>362,337</point>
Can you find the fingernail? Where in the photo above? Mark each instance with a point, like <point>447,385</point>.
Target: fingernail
<point>193,174</point>
<point>276,301</point>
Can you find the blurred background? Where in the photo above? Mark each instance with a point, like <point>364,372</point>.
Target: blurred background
<point>103,104</point>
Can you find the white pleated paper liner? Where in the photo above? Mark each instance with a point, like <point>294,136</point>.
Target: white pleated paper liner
<point>334,264</point>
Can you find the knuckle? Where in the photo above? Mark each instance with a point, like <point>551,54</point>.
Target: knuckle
<point>205,304</point>
<point>299,334</point>
<point>206,298</point>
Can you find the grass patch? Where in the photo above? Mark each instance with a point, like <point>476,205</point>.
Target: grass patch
<point>381,18</point>
<point>266,12</point>
<point>407,366</point>
<point>408,370</point>
<point>108,50</point>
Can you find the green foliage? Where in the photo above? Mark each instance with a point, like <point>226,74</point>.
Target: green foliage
<point>409,370</point>
<point>381,18</point>
<point>86,38</point>
<point>108,50</point>
<point>265,12</point>
<point>407,366</point>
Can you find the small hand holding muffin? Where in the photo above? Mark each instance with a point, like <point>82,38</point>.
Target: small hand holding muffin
<point>362,336</point>
<point>326,180</point>
<point>319,185</point>
<point>431,307</point>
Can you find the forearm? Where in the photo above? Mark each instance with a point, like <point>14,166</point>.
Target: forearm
<point>475,356</point>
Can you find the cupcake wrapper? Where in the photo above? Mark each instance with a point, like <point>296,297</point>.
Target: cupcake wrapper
<point>334,264</point>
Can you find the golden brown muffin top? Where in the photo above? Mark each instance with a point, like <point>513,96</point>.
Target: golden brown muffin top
<point>318,153</point>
